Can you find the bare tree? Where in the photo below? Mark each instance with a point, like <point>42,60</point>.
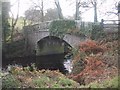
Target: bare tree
<point>51,14</point>
<point>59,9</point>
<point>14,20</point>
<point>33,15</point>
<point>114,9</point>
<point>94,3</point>
<point>39,5</point>
<point>77,10</point>
<point>80,4</point>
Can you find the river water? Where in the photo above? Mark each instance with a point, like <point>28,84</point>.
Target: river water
<point>52,62</point>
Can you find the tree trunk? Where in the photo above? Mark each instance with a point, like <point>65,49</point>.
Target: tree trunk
<point>95,12</point>
<point>59,9</point>
<point>42,11</point>
<point>77,11</point>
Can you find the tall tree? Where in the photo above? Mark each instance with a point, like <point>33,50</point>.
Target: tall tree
<point>0,39</point>
<point>5,23</point>
<point>51,14</point>
<point>39,5</point>
<point>84,5</point>
<point>59,9</point>
<point>80,4</point>
<point>94,3</point>
<point>114,9</point>
<point>77,10</point>
<point>119,10</point>
<point>33,15</point>
<point>14,20</point>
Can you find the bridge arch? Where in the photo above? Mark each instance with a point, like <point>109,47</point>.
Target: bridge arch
<point>32,37</point>
<point>52,45</point>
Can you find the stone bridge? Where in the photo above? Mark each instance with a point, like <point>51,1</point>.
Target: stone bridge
<point>33,34</point>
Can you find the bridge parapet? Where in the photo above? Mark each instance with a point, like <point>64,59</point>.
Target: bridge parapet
<point>44,26</point>
<point>110,26</point>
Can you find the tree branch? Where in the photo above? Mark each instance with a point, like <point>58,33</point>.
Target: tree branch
<point>113,13</point>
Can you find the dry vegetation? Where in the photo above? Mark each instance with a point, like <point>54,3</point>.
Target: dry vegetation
<point>98,63</point>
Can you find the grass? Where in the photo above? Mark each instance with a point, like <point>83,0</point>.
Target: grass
<point>112,83</point>
<point>19,78</point>
<point>9,81</point>
<point>36,79</point>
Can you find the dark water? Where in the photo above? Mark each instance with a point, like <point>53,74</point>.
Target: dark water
<point>51,62</point>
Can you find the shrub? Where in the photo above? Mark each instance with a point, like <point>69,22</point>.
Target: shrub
<point>36,79</point>
<point>53,79</point>
<point>91,46</point>
<point>42,82</point>
<point>9,81</point>
<point>112,83</point>
<point>78,66</point>
<point>65,82</point>
<point>97,31</point>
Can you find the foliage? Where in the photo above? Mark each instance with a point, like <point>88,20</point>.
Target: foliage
<point>85,48</point>
<point>78,66</point>
<point>5,23</point>
<point>92,68</point>
<point>91,47</point>
<point>51,14</point>
<point>67,82</point>
<point>9,81</point>
<point>97,31</point>
<point>109,83</point>
<point>15,48</point>
<point>33,15</point>
<point>54,79</point>
<point>61,27</point>
<point>41,82</point>
<point>96,67</point>
<point>86,28</point>
<point>19,24</point>
<point>24,78</point>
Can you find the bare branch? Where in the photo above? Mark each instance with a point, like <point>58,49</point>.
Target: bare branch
<point>14,22</point>
<point>14,3</point>
<point>17,13</point>
<point>112,13</point>
<point>36,5</point>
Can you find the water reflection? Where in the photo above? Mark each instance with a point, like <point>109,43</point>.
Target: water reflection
<point>68,65</point>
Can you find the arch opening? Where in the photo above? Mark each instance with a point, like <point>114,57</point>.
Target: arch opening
<point>52,45</point>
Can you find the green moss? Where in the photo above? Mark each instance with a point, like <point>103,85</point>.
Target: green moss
<point>60,27</point>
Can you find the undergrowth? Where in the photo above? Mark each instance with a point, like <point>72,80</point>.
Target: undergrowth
<point>24,78</point>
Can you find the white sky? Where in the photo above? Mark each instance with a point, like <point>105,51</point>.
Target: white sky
<point>67,9</point>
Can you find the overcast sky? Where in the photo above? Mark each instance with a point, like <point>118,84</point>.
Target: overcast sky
<point>68,8</point>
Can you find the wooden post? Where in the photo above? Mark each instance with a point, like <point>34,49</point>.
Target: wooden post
<point>118,19</point>
<point>102,23</point>
<point>119,13</point>
<point>118,33</point>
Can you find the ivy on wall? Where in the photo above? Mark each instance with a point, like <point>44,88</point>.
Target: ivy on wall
<point>61,27</point>
<point>97,31</point>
